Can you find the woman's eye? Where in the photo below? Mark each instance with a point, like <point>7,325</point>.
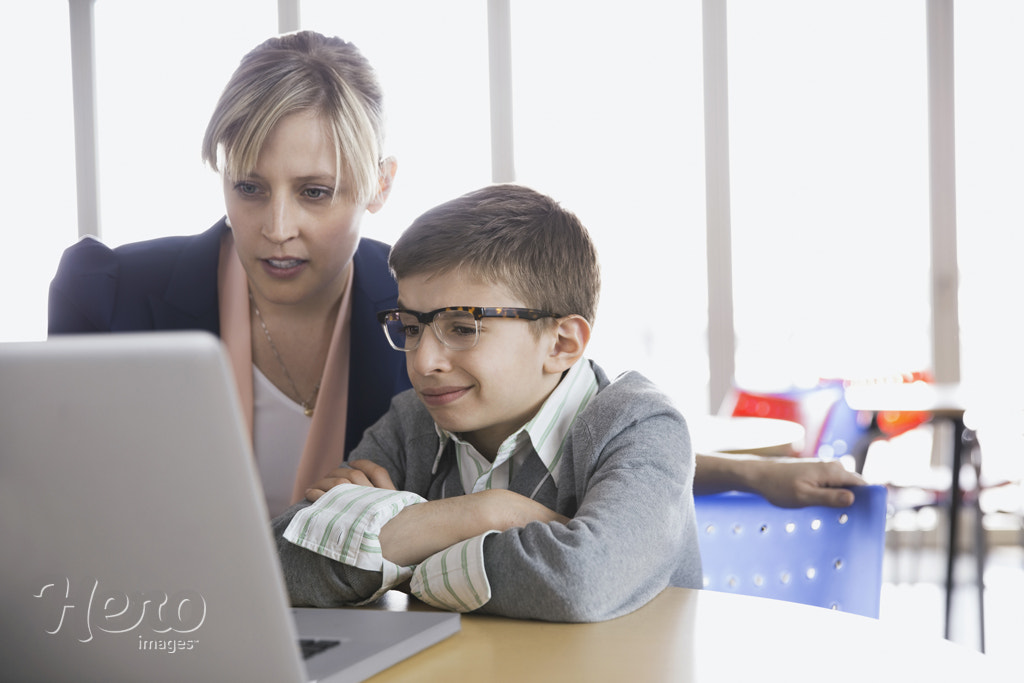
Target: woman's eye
<point>247,189</point>
<point>463,330</point>
<point>411,330</point>
<point>316,193</point>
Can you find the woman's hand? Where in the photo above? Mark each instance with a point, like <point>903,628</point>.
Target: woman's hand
<point>797,484</point>
<point>786,483</point>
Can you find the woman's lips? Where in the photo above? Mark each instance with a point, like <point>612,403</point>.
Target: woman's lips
<point>442,396</point>
<point>283,267</point>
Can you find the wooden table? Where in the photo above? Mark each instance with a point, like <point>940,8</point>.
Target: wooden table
<point>687,636</point>
<point>724,434</point>
<point>944,401</point>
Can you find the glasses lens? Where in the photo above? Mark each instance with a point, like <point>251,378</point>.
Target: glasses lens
<point>403,331</point>
<point>456,329</point>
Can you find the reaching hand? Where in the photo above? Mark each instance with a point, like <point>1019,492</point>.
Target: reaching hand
<point>798,484</point>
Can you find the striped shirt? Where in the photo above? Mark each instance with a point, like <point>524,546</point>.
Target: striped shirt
<point>344,524</point>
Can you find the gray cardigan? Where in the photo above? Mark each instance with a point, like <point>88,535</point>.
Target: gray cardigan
<point>625,482</point>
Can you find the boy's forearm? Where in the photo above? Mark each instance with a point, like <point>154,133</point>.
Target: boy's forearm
<point>714,474</point>
<point>419,531</point>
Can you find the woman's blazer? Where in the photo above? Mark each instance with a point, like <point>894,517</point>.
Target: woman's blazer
<point>170,283</point>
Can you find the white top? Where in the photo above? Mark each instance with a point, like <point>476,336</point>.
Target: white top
<point>280,430</point>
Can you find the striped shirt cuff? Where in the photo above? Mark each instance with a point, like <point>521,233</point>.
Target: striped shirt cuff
<point>344,524</point>
<point>454,579</point>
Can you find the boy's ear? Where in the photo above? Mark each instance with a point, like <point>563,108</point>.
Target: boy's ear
<point>571,338</point>
<point>388,168</point>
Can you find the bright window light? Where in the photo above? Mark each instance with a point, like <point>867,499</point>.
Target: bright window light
<point>829,144</point>
<point>37,180</point>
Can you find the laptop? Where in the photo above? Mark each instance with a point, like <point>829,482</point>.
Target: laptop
<point>134,532</point>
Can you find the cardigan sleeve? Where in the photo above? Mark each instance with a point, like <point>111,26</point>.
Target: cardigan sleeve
<point>83,290</point>
<point>314,580</point>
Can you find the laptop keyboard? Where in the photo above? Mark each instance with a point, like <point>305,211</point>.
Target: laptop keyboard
<point>311,647</point>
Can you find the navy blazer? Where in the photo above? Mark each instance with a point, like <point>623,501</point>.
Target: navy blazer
<point>170,283</point>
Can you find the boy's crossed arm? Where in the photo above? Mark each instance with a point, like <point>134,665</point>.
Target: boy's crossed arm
<point>421,530</point>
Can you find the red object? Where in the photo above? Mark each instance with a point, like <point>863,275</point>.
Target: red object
<point>749,404</point>
<point>895,422</point>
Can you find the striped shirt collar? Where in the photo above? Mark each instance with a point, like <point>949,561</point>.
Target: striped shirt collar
<point>546,433</point>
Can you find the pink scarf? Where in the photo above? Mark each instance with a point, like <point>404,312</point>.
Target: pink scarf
<point>325,446</point>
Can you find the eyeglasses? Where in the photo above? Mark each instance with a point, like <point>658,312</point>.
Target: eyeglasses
<point>457,327</point>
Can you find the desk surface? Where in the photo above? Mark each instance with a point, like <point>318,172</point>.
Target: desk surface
<point>693,636</point>
<point>942,398</point>
<point>723,434</point>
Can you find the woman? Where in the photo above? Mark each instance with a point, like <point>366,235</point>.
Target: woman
<point>284,278</point>
<point>288,284</point>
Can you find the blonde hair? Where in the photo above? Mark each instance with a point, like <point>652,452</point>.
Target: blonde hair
<point>302,72</point>
<point>510,236</point>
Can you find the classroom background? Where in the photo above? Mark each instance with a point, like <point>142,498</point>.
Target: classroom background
<point>780,191</point>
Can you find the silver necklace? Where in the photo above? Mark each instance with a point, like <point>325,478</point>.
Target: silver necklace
<point>307,406</point>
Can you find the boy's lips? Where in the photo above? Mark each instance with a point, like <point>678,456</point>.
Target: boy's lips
<point>441,396</point>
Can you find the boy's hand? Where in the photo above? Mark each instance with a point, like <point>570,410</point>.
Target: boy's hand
<point>358,472</point>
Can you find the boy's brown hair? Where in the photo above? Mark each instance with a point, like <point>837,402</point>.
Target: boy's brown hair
<point>510,236</point>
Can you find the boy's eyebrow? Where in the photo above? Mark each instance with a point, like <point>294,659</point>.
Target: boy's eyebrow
<point>401,306</point>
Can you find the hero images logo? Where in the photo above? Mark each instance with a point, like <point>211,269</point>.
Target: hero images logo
<point>81,608</point>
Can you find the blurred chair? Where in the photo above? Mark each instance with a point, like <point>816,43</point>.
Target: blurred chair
<point>827,557</point>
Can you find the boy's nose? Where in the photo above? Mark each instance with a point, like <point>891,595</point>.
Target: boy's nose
<point>431,355</point>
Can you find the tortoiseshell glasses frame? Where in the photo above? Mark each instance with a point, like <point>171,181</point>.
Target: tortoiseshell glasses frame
<point>457,327</point>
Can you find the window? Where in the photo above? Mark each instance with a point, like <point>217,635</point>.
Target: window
<point>829,135</point>
<point>609,121</point>
<point>990,177</point>
<point>829,160</point>
<point>37,186</point>
<point>598,126</point>
<point>431,58</point>
<point>160,68</point>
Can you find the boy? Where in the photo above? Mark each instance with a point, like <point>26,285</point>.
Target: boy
<point>514,478</point>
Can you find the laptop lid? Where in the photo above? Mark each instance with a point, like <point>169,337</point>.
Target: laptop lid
<point>134,530</point>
